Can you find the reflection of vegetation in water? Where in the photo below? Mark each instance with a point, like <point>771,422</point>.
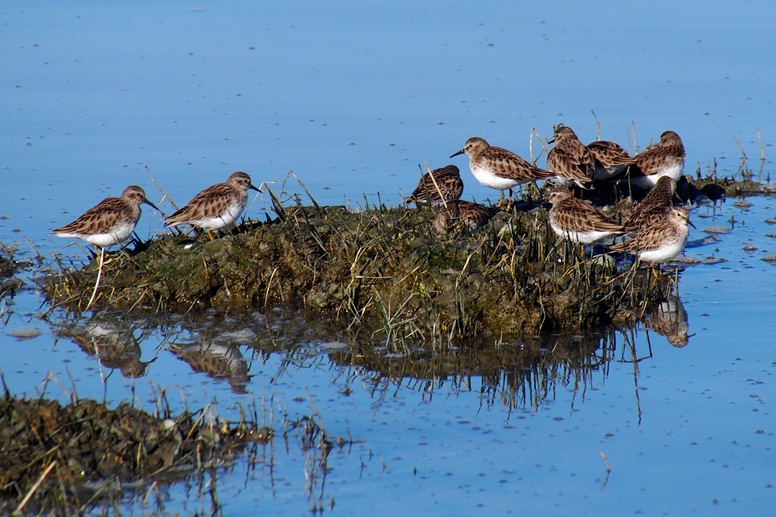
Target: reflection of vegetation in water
<point>518,377</point>
<point>316,444</point>
<point>514,374</point>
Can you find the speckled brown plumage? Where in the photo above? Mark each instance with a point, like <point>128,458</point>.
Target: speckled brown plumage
<point>669,153</point>
<point>570,160</point>
<point>217,206</point>
<point>472,215</point>
<point>658,199</point>
<point>499,168</point>
<point>608,157</point>
<point>443,184</point>
<point>664,159</point>
<point>661,236</point>
<point>607,153</point>
<point>109,222</point>
<point>573,219</point>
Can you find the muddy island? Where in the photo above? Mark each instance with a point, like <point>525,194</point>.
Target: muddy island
<point>387,271</point>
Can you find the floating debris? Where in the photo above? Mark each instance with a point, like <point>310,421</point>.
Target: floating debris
<point>770,258</point>
<point>717,229</point>
<point>28,333</point>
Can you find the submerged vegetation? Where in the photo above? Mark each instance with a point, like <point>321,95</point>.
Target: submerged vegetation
<point>72,456</point>
<point>84,457</point>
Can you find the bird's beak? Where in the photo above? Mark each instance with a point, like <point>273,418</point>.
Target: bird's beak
<point>459,152</point>
<point>253,187</point>
<point>147,202</point>
<point>690,223</point>
<point>551,140</point>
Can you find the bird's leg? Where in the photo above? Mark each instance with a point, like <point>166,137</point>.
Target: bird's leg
<point>509,203</point>
<point>655,275</point>
<point>500,200</point>
<point>536,190</point>
<point>567,254</point>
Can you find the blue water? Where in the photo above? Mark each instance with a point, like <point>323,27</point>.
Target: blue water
<point>352,97</point>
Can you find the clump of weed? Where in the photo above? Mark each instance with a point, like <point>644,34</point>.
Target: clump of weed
<point>66,457</point>
<point>382,271</point>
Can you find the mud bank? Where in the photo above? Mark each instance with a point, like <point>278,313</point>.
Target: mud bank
<point>384,269</point>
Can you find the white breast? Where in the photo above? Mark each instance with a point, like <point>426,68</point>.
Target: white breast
<point>224,220</point>
<point>487,177</point>
<point>117,235</point>
<point>668,251</point>
<point>647,182</point>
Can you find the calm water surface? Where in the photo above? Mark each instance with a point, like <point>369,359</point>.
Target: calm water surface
<point>352,98</point>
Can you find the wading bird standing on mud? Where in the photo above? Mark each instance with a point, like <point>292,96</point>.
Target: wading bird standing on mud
<point>217,206</point>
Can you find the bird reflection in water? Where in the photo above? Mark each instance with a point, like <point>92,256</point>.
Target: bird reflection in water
<point>219,361</point>
<point>670,319</point>
<point>111,341</point>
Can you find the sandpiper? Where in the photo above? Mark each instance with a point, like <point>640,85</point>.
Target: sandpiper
<point>570,160</point>
<point>664,159</point>
<point>217,206</point>
<point>658,199</point>
<point>472,215</point>
<point>608,157</point>
<point>498,168</point>
<point>438,186</point>
<point>109,222</point>
<point>661,237</point>
<point>577,221</point>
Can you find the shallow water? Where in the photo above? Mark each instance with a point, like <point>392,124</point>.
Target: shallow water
<point>353,98</point>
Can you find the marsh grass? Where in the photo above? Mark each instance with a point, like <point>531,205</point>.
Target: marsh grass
<point>83,455</point>
<point>9,266</point>
<point>382,271</point>
<point>744,180</point>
